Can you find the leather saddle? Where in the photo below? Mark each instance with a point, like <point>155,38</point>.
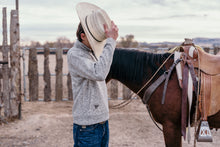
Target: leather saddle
<point>209,67</point>
<point>209,63</point>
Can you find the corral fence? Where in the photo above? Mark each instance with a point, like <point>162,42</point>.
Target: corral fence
<point>10,72</point>
<point>46,78</point>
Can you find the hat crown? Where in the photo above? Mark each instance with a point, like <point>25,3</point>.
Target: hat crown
<point>92,19</point>
<point>95,22</point>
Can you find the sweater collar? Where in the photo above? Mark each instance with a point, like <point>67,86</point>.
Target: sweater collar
<point>79,44</point>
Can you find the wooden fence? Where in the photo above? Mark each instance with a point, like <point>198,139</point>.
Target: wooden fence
<point>10,77</point>
<point>46,83</point>
<point>214,50</point>
<point>34,72</point>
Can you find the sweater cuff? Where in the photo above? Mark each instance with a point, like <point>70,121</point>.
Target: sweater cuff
<point>111,41</point>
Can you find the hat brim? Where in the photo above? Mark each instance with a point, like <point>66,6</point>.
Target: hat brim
<point>84,9</point>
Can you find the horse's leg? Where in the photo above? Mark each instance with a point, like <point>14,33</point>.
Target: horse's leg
<point>172,134</point>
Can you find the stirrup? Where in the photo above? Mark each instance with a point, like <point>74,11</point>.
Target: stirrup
<point>203,132</point>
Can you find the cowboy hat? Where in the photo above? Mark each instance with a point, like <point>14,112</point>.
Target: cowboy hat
<point>92,19</point>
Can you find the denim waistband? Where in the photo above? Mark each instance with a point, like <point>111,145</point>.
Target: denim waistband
<point>86,126</point>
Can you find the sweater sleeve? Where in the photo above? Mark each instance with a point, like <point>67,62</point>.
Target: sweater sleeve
<point>89,69</point>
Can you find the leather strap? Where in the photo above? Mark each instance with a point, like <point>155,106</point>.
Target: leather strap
<point>193,75</point>
<point>150,90</point>
<point>206,94</point>
<point>177,55</point>
<point>191,83</point>
<point>168,77</point>
<point>184,101</point>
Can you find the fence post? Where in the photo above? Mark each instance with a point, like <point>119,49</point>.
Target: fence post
<point>216,50</point>
<point>15,96</point>
<point>59,74</point>
<point>1,93</point>
<point>206,49</point>
<point>33,75</point>
<point>47,87</point>
<point>5,67</point>
<point>126,92</point>
<point>69,85</point>
<point>113,89</point>
<point>120,90</point>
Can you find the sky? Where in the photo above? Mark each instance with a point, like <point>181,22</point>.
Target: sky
<point>148,20</point>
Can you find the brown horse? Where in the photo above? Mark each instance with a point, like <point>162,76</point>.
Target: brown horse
<point>134,68</point>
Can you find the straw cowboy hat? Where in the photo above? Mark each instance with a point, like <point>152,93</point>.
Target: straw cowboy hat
<point>92,19</point>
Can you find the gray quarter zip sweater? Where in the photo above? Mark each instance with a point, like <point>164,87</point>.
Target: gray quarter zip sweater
<point>90,99</point>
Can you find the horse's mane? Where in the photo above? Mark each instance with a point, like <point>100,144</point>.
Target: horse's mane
<point>131,65</point>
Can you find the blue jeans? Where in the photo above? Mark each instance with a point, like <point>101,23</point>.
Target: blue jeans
<point>96,135</point>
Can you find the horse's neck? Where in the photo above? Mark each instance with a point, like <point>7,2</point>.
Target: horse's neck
<point>131,85</point>
<point>119,72</point>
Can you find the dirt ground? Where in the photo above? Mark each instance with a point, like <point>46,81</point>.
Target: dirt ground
<point>49,124</point>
